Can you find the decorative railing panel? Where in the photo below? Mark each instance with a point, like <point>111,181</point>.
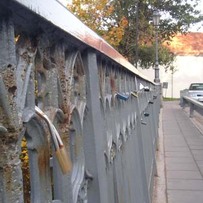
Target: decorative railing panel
<point>88,120</point>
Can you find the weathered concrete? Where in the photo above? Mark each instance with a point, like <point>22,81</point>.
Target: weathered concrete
<point>159,193</point>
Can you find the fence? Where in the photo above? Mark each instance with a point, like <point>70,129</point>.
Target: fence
<point>63,87</point>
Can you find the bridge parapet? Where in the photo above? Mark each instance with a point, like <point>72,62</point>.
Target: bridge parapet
<point>105,112</point>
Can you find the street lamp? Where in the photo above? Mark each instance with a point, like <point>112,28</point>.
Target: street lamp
<point>156,18</point>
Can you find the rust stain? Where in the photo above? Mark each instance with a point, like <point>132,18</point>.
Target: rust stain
<point>8,177</point>
<point>9,76</point>
<point>10,121</point>
<point>43,159</point>
<point>64,84</point>
<point>113,85</point>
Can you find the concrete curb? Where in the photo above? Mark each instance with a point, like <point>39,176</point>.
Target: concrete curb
<point>159,189</point>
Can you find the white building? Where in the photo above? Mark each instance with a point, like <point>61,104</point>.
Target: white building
<point>189,64</point>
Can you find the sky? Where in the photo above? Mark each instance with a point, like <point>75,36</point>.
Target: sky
<point>198,27</point>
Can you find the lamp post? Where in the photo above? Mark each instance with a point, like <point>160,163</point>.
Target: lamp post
<point>156,18</point>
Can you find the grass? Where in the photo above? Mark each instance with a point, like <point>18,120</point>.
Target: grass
<point>170,99</point>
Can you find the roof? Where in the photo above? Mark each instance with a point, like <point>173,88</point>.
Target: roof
<point>187,44</point>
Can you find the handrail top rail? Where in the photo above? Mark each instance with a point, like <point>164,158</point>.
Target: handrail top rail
<point>193,101</point>
<point>61,17</point>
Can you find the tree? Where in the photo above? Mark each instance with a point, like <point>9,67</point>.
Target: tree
<point>139,35</point>
<point>127,25</point>
<point>97,15</point>
<point>147,56</point>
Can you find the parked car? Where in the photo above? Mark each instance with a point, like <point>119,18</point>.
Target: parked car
<point>196,91</point>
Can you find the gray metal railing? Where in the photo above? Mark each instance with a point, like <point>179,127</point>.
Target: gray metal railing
<point>88,118</point>
<point>193,104</point>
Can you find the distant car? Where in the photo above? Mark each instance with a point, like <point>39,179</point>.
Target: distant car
<point>196,91</point>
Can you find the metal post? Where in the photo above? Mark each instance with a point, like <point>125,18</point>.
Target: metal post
<point>192,107</point>
<point>137,33</point>
<point>156,79</point>
<point>156,18</point>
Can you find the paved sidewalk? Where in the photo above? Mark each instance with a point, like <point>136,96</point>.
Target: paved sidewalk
<point>182,152</point>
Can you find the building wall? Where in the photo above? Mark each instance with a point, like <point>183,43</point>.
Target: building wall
<point>189,70</point>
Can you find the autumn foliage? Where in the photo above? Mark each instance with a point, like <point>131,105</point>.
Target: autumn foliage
<point>127,25</point>
<point>97,15</point>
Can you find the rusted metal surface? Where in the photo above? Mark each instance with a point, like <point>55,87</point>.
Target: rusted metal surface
<point>93,98</point>
<point>76,28</point>
<point>11,184</point>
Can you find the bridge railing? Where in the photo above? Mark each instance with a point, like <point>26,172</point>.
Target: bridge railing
<point>78,123</point>
<point>193,105</point>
